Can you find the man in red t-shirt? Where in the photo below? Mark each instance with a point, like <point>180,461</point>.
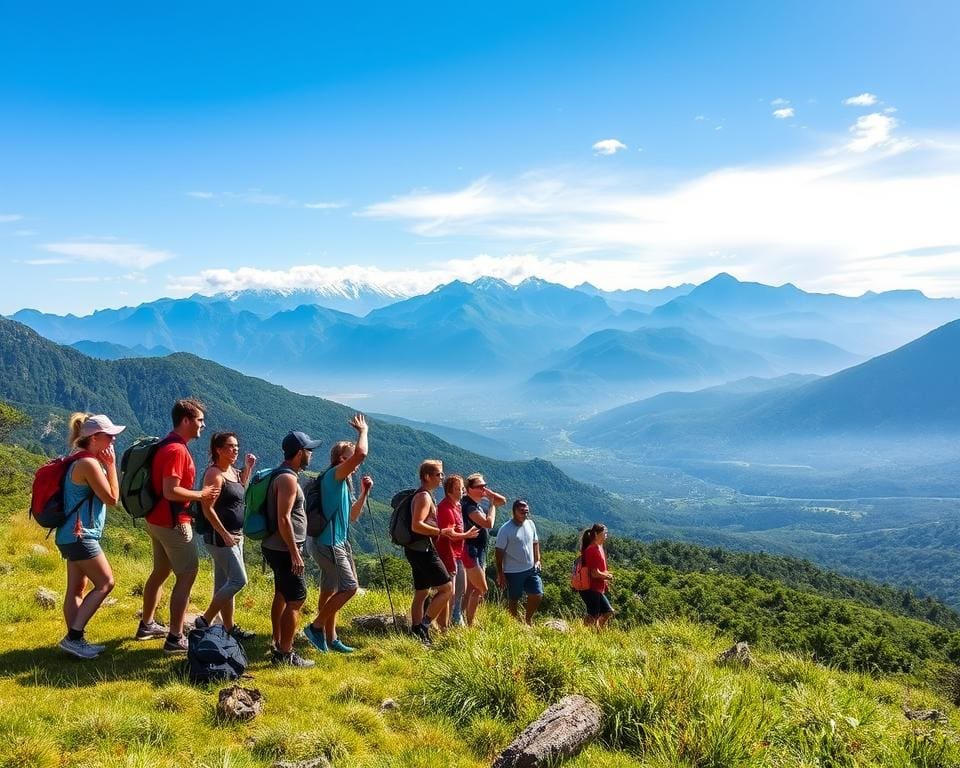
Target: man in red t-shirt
<point>173,474</point>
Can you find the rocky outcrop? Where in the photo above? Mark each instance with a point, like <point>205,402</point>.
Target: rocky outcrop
<point>561,732</point>
<point>239,704</point>
<point>737,655</point>
<point>381,623</point>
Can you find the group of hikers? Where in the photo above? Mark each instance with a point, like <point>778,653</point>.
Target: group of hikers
<point>447,547</point>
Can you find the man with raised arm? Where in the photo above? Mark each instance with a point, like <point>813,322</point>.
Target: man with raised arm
<point>331,549</point>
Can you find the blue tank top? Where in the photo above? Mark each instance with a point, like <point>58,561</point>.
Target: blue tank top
<point>92,512</point>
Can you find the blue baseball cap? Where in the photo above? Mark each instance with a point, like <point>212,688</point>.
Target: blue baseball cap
<point>294,441</point>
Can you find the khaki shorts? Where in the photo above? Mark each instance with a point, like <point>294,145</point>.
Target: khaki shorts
<point>171,548</point>
<point>337,572</point>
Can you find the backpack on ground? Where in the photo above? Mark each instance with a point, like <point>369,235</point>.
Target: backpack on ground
<point>317,519</point>
<point>256,526</point>
<point>214,655</point>
<point>580,576</point>
<point>401,519</point>
<point>136,483</point>
<point>46,498</point>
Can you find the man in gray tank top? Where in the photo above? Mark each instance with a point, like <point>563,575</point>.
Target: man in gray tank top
<point>283,549</point>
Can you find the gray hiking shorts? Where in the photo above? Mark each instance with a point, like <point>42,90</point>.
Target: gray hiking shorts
<point>337,572</point>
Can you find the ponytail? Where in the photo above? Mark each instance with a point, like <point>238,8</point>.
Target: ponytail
<point>76,424</point>
<point>590,535</point>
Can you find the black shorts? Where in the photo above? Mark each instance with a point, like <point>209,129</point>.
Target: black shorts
<point>596,602</point>
<point>285,581</point>
<point>428,569</point>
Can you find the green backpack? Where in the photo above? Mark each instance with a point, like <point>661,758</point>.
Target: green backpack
<point>256,526</point>
<point>136,489</point>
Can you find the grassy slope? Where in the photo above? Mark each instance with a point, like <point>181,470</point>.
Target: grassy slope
<point>666,702</point>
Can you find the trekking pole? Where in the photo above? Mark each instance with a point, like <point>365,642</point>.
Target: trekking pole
<point>383,568</point>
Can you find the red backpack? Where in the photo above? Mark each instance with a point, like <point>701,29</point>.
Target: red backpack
<point>580,576</point>
<point>46,499</point>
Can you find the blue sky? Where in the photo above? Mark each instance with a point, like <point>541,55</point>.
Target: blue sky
<point>145,154</point>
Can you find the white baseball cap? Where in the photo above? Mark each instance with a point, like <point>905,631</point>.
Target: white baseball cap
<point>99,423</point>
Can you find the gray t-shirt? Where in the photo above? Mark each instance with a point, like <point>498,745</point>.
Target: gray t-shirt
<point>298,517</point>
<point>517,542</point>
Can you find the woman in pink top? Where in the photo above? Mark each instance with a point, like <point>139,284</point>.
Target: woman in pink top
<point>593,556</point>
<point>450,545</point>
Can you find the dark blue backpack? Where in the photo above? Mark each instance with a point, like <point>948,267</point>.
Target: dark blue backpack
<point>214,655</point>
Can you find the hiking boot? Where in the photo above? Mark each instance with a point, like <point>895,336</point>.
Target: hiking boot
<point>79,648</point>
<point>422,634</point>
<point>239,633</point>
<point>340,647</point>
<point>292,659</point>
<point>316,637</point>
<point>151,631</point>
<point>171,647</point>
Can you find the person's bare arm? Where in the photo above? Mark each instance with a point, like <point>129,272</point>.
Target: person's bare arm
<point>105,487</point>
<point>501,578</point>
<point>286,485</point>
<point>359,423</point>
<point>366,483</point>
<point>172,491</point>
<point>418,516</point>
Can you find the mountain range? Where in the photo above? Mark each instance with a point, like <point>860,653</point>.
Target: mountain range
<point>528,346</point>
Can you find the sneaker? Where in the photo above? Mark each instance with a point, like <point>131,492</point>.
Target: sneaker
<point>79,648</point>
<point>340,647</point>
<point>171,647</point>
<point>97,648</point>
<point>151,631</point>
<point>200,622</point>
<point>292,659</point>
<point>239,633</point>
<point>316,637</point>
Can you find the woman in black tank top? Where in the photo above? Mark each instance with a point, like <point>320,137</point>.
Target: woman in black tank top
<point>223,539</point>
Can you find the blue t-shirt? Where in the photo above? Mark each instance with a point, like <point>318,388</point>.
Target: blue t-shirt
<point>92,519</point>
<point>517,542</point>
<point>335,495</point>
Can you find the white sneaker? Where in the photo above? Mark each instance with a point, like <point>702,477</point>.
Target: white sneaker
<point>79,648</point>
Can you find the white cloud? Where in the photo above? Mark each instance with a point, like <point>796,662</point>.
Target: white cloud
<point>784,113</point>
<point>779,102</point>
<point>825,222</point>
<point>322,206</point>
<point>129,255</point>
<point>201,195</point>
<point>875,131</point>
<point>6,218</point>
<point>863,100</point>
<point>25,232</point>
<point>700,118</point>
<point>608,147</point>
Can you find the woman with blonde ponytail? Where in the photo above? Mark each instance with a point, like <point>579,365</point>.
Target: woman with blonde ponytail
<point>594,557</point>
<point>89,486</point>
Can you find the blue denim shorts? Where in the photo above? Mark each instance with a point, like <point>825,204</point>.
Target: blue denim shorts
<point>525,581</point>
<point>81,549</point>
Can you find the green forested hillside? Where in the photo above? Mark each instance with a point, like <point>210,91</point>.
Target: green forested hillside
<point>47,381</point>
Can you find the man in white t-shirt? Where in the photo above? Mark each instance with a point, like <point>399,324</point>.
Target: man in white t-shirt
<point>518,561</point>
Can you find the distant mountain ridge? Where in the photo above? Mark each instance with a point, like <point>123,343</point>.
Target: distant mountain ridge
<point>529,340</point>
<point>909,391</point>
